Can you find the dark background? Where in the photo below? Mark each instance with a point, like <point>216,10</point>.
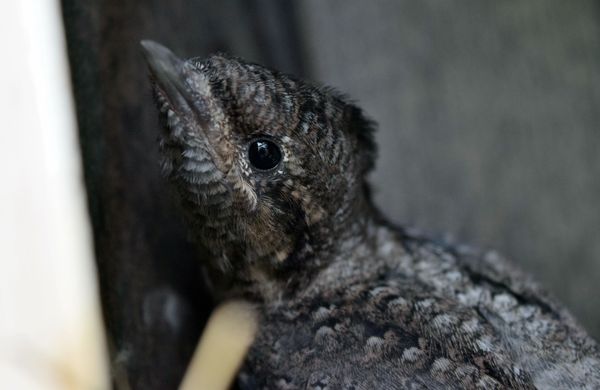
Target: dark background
<point>489,131</point>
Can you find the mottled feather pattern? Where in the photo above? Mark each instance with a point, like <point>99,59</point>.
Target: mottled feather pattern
<point>347,300</point>
<point>416,315</point>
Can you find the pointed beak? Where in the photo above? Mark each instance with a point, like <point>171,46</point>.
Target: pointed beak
<point>188,93</point>
<point>171,75</point>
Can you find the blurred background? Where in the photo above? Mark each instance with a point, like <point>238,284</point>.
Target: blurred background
<point>489,133</point>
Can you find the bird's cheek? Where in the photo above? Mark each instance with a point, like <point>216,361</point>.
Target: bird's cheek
<point>312,210</point>
<point>245,198</point>
<point>266,236</point>
<point>314,215</point>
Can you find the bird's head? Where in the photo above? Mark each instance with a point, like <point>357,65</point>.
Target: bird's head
<point>269,169</point>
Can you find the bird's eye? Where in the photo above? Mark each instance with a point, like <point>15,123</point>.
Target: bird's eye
<point>264,154</point>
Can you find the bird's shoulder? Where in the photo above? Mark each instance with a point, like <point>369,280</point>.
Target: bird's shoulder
<point>430,315</point>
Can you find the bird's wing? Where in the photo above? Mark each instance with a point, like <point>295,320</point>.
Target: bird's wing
<point>388,334</point>
<point>545,339</point>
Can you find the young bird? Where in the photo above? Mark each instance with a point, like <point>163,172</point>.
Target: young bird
<point>271,173</point>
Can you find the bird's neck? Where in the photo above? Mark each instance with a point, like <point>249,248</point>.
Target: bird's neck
<point>369,252</point>
<point>351,253</point>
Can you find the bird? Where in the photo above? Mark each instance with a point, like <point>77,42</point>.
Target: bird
<point>271,173</point>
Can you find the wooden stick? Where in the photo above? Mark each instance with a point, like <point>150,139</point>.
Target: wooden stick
<point>228,334</point>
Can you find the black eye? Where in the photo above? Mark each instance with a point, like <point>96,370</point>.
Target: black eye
<point>264,154</point>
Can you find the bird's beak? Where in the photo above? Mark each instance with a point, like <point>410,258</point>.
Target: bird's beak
<point>171,75</point>
<point>187,91</point>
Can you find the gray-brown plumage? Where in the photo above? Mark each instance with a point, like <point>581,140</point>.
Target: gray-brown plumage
<point>271,172</point>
